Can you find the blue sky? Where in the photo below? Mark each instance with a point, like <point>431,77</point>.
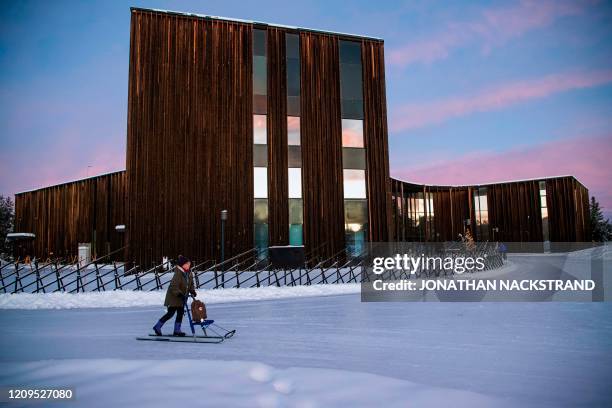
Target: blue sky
<point>477,91</point>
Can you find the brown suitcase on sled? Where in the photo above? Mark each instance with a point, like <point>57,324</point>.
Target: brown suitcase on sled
<point>198,311</point>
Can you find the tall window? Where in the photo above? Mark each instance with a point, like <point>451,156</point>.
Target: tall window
<point>260,141</point>
<point>481,210</point>
<point>419,215</point>
<point>294,148</point>
<point>430,232</point>
<point>353,151</point>
<point>544,209</point>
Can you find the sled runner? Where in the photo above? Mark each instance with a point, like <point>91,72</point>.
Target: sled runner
<point>199,309</point>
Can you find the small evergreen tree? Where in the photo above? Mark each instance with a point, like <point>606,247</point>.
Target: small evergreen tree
<point>7,214</point>
<point>601,229</point>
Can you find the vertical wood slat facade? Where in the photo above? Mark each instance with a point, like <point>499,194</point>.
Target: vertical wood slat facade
<point>376,141</point>
<point>568,210</point>
<point>190,135</point>
<point>65,215</point>
<point>513,208</point>
<point>190,155</point>
<point>321,132</point>
<point>451,209</point>
<point>189,150</point>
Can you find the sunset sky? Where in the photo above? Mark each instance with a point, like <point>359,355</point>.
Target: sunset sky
<point>476,91</point>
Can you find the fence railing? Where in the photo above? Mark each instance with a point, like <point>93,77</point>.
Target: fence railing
<point>243,270</point>
<point>247,269</point>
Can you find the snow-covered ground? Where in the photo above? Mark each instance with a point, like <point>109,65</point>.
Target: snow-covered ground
<point>129,298</point>
<point>215,383</point>
<point>323,351</point>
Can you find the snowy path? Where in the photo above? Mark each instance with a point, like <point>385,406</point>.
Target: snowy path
<point>523,354</point>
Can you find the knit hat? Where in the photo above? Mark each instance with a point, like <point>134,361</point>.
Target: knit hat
<point>182,260</point>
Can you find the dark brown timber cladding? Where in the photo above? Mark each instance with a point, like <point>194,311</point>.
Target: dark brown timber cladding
<point>321,132</point>
<point>451,209</point>
<point>375,137</point>
<point>568,210</point>
<point>189,149</point>
<point>278,184</point>
<point>65,215</point>
<point>515,209</point>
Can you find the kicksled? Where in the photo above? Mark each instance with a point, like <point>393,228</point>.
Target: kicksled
<point>213,333</point>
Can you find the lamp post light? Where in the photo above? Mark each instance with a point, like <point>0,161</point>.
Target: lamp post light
<point>223,219</point>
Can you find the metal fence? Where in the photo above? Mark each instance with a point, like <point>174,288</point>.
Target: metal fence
<point>243,270</point>
<point>247,269</point>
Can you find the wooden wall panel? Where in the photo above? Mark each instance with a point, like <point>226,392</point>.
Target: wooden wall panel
<point>321,131</point>
<point>568,210</point>
<point>514,208</point>
<point>375,140</point>
<point>278,184</point>
<point>451,209</point>
<point>65,215</point>
<point>189,150</point>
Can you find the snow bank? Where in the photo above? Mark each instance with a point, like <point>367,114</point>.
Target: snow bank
<point>120,298</point>
<point>153,383</point>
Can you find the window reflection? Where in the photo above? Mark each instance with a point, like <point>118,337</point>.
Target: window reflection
<point>260,72</point>
<point>544,209</point>
<point>260,133</point>
<point>260,85</point>
<point>260,227</point>
<point>296,221</point>
<point>293,131</point>
<point>259,42</point>
<point>352,133</point>
<point>417,213</point>
<point>355,225</point>
<point>351,75</point>
<point>350,52</point>
<point>294,156</point>
<point>260,155</point>
<point>481,213</point>
<point>353,158</point>
<point>292,52</point>
<point>294,150</point>
<point>261,211</point>
<point>295,182</point>
<point>293,77</point>
<point>351,82</point>
<point>260,140</point>
<point>260,182</point>
<point>354,184</point>
<point>352,108</point>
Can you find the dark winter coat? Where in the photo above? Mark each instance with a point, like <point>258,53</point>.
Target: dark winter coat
<point>180,286</point>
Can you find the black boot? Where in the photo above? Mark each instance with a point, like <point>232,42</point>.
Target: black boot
<point>157,328</point>
<point>177,330</point>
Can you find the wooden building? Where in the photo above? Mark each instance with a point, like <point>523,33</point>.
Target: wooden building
<point>64,215</point>
<point>286,129</point>
<point>549,209</point>
<point>283,127</point>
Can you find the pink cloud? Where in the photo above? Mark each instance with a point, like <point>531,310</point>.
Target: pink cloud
<point>586,158</point>
<point>57,164</point>
<point>411,116</point>
<point>492,28</point>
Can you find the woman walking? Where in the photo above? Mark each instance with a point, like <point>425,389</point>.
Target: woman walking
<point>180,286</point>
